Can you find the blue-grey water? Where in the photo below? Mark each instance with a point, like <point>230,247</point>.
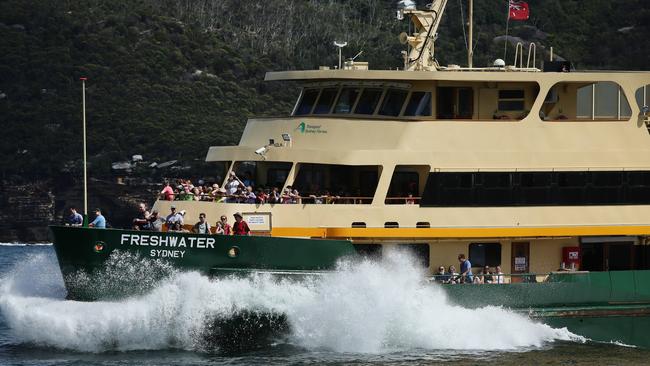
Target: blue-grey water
<point>372,314</point>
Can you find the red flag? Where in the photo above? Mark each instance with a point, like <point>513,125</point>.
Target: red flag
<point>518,10</point>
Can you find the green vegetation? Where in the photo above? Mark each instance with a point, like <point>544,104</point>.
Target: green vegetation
<point>167,79</point>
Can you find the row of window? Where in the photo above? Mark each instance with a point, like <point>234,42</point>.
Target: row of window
<point>480,254</point>
<point>364,101</point>
<point>536,188</point>
<point>602,100</point>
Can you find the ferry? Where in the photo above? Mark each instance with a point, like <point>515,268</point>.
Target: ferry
<point>532,166</point>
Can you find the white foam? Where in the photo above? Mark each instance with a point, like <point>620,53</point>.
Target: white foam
<point>363,307</point>
<point>24,244</point>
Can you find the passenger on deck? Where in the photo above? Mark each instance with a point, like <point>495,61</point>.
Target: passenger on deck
<point>227,229</point>
<point>240,227</point>
<point>249,196</point>
<point>442,276</point>
<point>487,275</point>
<point>453,275</point>
<point>155,222</point>
<point>214,192</point>
<point>99,221</point>
<point>141,222</point>
<point>218,228</point>
<point>285,197</point>
<point>221,196</point>
<point>465,269</point>
<point>74,219</point>
<point>167,193</point>
<point>484,276</point>
<point>232,186</point>
<point>261,196</point>
<point>410,200</point>
<point>174,217</point>
<point>498,275</point>
<point>177,227</point>
<point>294,195</point>
<point>274,196</point>
<point>201,227</point>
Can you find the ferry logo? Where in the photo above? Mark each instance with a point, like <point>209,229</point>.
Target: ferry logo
<point>305,128</point>
<point>301,127</point>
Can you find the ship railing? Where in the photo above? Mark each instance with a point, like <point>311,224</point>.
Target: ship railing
<point>503,278</point>
<point>403,200</point>
<point>306,199</point>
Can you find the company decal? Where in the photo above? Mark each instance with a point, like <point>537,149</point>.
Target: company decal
<point>176,244</point>
<point>306,128</point>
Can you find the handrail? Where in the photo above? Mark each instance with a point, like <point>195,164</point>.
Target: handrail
<point>519,52</point>
<point>521,277</point>
<point>532,48</point>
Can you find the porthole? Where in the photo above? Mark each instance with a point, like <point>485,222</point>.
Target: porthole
<point>233,252</point>
<point>99,246</point>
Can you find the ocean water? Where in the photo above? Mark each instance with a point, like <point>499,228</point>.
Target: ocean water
<point>364,314</point>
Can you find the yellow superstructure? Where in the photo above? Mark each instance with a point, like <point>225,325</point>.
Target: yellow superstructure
<point>489,155</point>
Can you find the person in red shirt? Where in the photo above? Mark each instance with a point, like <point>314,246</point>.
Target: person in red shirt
<point>240,227</point>
<point>227,229</point>
<point>167,193</point>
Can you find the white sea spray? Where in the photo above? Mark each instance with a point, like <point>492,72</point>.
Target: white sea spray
<point>363,307</point>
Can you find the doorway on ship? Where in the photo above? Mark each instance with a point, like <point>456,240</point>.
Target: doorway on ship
<point>520,261</point>
<point>455,103</point>
<point>607,254</point>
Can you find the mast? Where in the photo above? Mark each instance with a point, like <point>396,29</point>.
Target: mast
<point>83,106</point>
<point>421,40</point>
<point>470,48</point>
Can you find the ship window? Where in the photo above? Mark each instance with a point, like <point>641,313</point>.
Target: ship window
<point>402,184</point>
<point>393,102</point>
<point>391,224</point>
<point>275,177</point>
<point>346,100</point>
<point>307,102</point>
<point>325,101</point>
<point>595,101</point>
<point>511,100</point>
<point>337,184</point>
<point>455,103</point>
<point>368,101</point>
<point>419,252</point>
<point>419,104</point>
<point>262,173</point>
<point>492,189</point>
<point>485,254</point>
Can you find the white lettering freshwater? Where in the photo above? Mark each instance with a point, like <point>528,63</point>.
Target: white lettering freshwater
<point>168,242</point>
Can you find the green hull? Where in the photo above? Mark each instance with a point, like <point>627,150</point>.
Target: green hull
<point>87,250</point>
<point>602,306</point>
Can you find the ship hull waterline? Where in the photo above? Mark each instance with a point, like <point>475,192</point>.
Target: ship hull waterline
<point>601,306</point>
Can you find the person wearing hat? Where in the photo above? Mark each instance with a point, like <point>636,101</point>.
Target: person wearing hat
<point>173,218</point>
<point>99,221</point>
<point>240,227</point>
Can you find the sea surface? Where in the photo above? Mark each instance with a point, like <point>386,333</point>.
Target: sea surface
<point>364,314</point>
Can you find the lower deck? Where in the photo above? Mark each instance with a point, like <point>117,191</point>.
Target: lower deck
<point>518,257</point>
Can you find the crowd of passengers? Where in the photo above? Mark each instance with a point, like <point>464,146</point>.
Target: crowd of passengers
<point>451,276</point>
<point>175,221</point>
<point>237,190</point>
